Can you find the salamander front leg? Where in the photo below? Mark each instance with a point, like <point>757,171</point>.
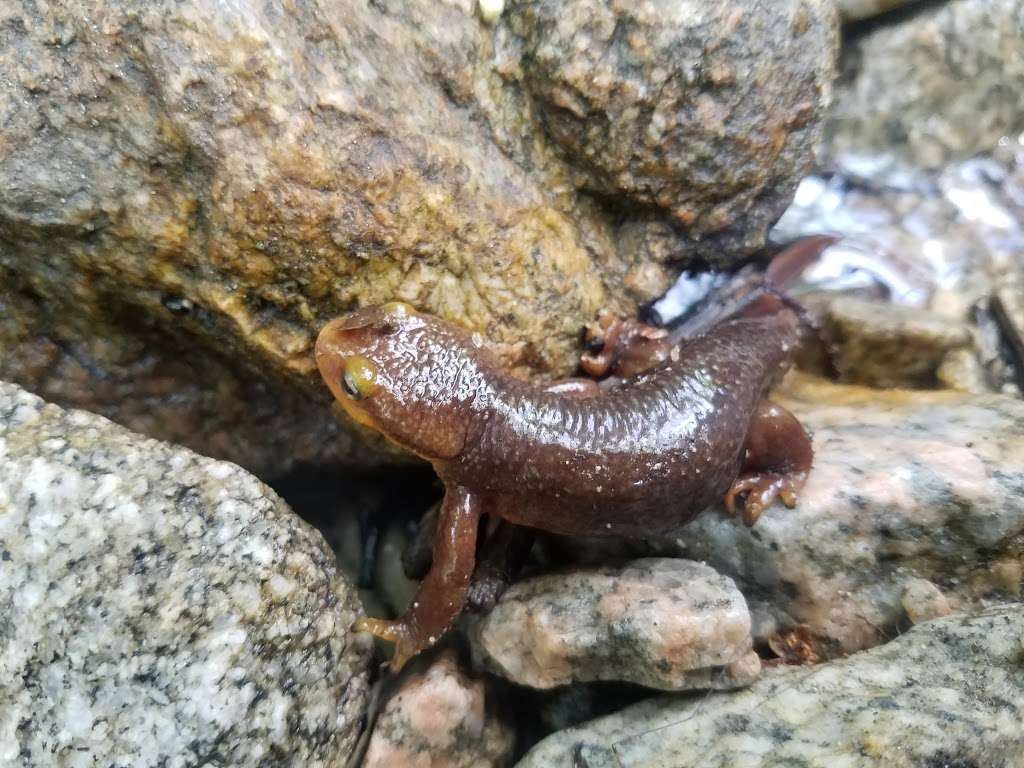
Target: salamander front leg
<point>777,458</point>
<point>442,593</point>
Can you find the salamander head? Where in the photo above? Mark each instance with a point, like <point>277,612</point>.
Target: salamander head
<point>411,377</point>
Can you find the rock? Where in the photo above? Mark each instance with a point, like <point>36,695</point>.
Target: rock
<point>441,718</point>
<point>905,484</point>
<point>946,241</point>
<point>855,10</point>
<point>886,345</point>
<point>161,608</point>
<point>707,113</point>
<point>923,601</point>
<point>947,693</point>
<point>936,87</point>
<point>659,622</point>
<point>190,190</point>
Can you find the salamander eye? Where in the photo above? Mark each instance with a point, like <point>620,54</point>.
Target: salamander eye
<point>359,379</point>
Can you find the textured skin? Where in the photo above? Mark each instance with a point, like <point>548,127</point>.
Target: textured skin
<point>639,459</point>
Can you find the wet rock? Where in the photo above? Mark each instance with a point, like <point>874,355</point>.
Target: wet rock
<point>190,190</point>
<point>947,693</point>
<point>161,608</point>
<point>936,87</point>
<point>854,10</point>
<point>659,622</point>
<point>441,718</point>
<point>886,345</point>
<point>905,484</point>
<point>706,112</point>
<point>947,241</point>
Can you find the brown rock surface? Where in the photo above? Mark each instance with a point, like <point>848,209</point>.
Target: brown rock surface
<point>188,191</point>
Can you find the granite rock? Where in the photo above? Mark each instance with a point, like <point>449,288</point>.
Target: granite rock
<point>947,693</point>
<point>707,113</point>
<point>906,485</point>
<point>190,190</point>
<point>158,608</point>
<point>441,718</point>
<point>886,345</point>
<point>659,622</point>
<point>938,86</point>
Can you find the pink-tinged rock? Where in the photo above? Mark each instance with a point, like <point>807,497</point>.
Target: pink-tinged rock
<point>660,622</point>
<point>441,718</point>
<point>905,485</point>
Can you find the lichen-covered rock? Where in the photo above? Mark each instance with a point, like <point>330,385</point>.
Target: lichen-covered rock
<point>947,693</point>
<point>441,718</point>
<point>905,484</point>
<point>707,112</point>
<point>159,608</point>
<point>203,185</point>
<point>938,86</point>
<point>887,345</point>
<point>659,622</point>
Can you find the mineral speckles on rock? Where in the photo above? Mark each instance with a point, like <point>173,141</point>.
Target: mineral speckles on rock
<point>704,112</point>
<point>659,622</point>
<point>905,484</point>
<point>441,718</point>
<point>947,693</point>
<point>159,608</point>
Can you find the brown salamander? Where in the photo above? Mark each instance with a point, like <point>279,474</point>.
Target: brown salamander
<point>640,459</point>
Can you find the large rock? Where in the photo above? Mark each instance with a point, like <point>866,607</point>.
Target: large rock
<point>159,608</point>
<point>938,86</point>
<point>189,190</point>
<point>947,693</point>
<point>707,112</point>
<point>441,718</point>
<point>659,622</point>
<point>906,485</point>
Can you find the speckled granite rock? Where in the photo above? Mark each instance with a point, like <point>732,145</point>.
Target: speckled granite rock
<point>939,86</point>
<point>659,622</point>
<point>886,345</point>
<point>708,112</point>
<point>202,185</point>
<point>441,718</point>
<point>947,693</point>
<point>854,10</point>
<point>906,485</point>
<point>159,608</point>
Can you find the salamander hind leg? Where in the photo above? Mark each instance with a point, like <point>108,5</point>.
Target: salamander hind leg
<point>442,593</point>
<point>777,459</point>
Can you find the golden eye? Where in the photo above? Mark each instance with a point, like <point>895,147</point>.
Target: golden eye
<point>359,379</point>
<point>399,308</point>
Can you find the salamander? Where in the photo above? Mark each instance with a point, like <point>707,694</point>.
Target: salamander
<point>638,459</point>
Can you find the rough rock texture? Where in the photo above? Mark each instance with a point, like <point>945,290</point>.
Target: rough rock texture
<point>659,622</point>
<point>905,485</point>
<point>939,86</point>
<point>886,345</point>
<point>707,112</point>
<point>189,190</point>
<point>159,608</point>
<point>441,718</point>
<point>947,693</point>
<point>854,10</point>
